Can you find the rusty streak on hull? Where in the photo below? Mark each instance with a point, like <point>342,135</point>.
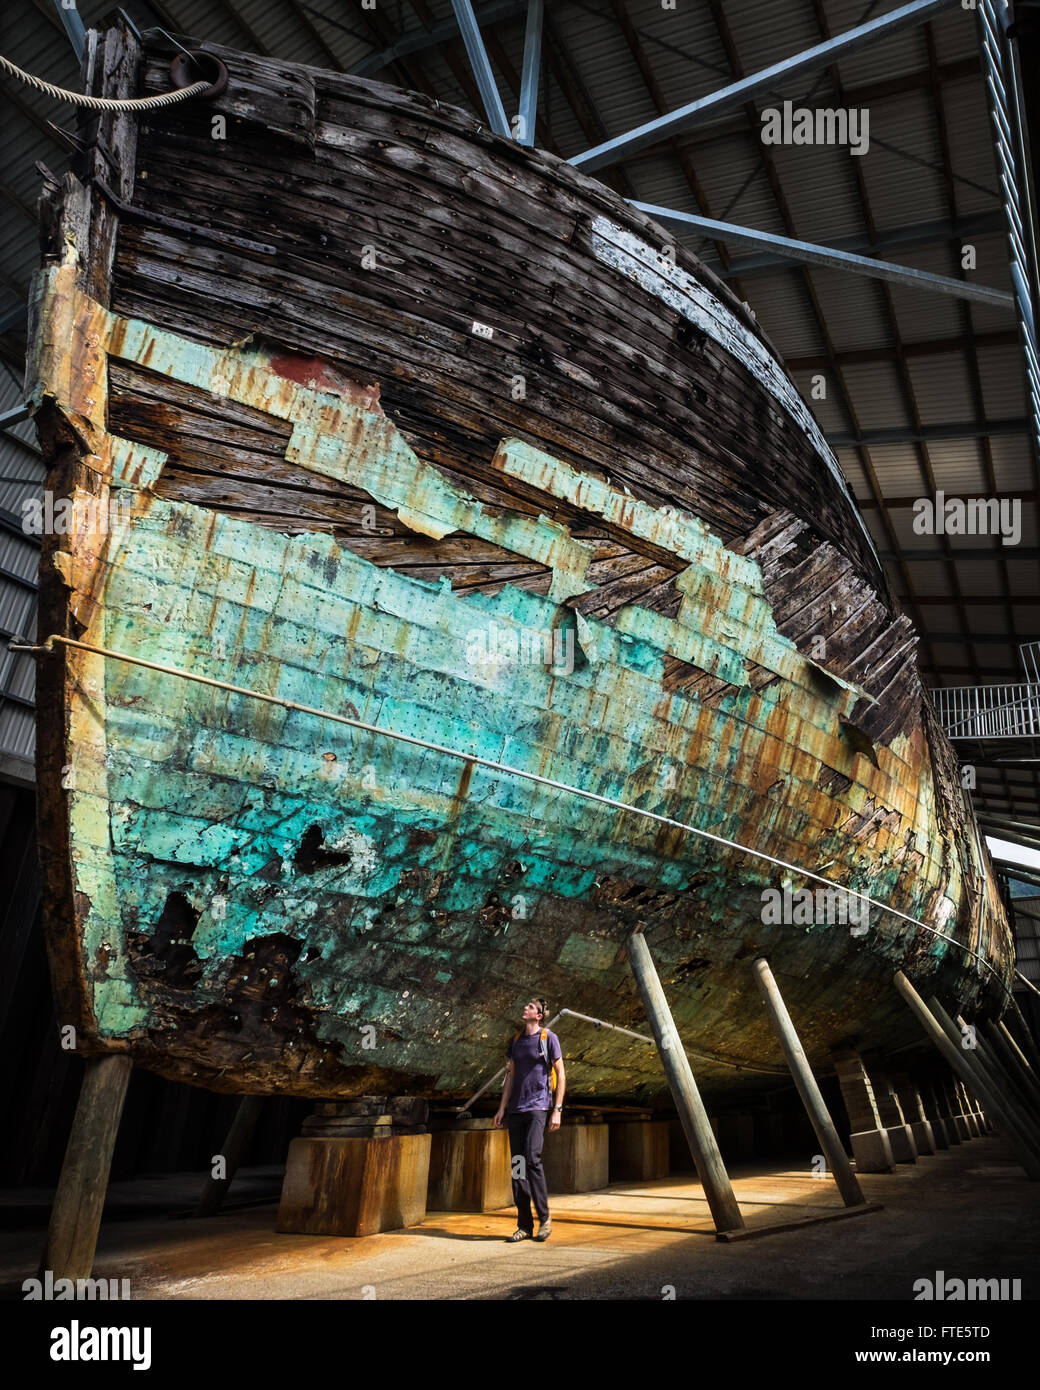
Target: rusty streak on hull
<point>639,575</point>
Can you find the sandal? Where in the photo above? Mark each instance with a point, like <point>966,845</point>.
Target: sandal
<point>520,1234</point>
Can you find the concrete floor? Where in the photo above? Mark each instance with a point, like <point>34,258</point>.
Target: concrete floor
<point>969,1212</point>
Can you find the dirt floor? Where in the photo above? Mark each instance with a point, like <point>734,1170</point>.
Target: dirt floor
<point>969,1212</point>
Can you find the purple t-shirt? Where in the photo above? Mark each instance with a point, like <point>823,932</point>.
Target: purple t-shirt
<point>531,1078</point>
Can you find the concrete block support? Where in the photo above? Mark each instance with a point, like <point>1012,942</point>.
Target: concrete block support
<point>933,1112</point>
<point>576,1158</point>
<point>910,1101</point>
<point>638,1150</point>
<point>900,1135</point>
<point>354,1187</point>
<point>469,1168</point>
<point>948,1086</point>
<point>869,1142</point>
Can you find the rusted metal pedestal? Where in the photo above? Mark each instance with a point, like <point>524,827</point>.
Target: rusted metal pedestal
<point>353,1172</point>
<point>576,1157</point>
<point>469,1167</point>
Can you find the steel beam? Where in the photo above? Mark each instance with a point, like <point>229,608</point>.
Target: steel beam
<point>481,65</point>
<point>706,108</point>
<point>426,39</point>
<point>832,257</point>
<point>918,234</point>
<point>529,74</point>
<point>72,22</point>
<point>928,434</point>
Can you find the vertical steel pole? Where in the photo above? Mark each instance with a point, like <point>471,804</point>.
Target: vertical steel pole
<point>806,1084</point>
<point>696,1125</point>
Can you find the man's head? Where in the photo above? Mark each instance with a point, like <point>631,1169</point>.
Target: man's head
<point>536,1011</point>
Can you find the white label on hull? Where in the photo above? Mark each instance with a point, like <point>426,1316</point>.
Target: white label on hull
<point>641,262</point>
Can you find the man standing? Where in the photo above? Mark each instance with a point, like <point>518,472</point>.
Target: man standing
<point>528,1097</point>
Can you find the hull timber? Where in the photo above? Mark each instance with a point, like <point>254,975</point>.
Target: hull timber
<point>262,357</point>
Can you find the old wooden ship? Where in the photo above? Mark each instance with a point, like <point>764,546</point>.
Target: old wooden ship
<point>398,422</point>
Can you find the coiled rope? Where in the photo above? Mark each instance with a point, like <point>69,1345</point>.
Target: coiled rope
<point>105,103</point>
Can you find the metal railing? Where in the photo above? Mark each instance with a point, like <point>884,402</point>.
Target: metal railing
<point>989,711</point>
<point>1004,95</point>
<point>993,711</point>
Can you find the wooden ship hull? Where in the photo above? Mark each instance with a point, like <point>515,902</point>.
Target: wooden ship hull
<point>399,423</point>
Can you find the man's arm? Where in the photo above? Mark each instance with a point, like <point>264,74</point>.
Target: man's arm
<point>556,1114</point>
<point>561,1083</point>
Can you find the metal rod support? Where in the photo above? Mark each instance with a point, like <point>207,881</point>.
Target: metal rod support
<point>529,74</point>
<point>706,108</point>
<point>481,65</point>
<point>696,1125</point>
<point>805,1081</point>
<point>813,254</point>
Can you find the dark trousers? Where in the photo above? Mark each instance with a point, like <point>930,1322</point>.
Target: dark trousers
<point>526,1136</point>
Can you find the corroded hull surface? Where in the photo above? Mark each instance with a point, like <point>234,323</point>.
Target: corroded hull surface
<point>605,546</point>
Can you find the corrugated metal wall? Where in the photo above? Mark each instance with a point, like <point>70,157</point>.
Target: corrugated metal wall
<point>166,1127</point>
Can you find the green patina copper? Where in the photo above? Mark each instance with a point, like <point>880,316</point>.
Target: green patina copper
<point>422,862</point>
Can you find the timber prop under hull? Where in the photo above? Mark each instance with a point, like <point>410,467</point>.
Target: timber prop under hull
<point>606,546</point>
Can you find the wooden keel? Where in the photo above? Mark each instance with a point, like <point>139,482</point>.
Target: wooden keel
<point>80,1196</point>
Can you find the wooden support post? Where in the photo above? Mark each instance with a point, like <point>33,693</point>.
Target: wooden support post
<point>1024,1064</point>
<point>935,1028</point>
<point>816,1109</point>
<point>989,1068</point>
<point>232,1151</point>
<point>696,1126</point>
<point>1026,1040</point>
<point>991,1065</point>
<point>78,1202</point>
<point>1027,1093</point>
